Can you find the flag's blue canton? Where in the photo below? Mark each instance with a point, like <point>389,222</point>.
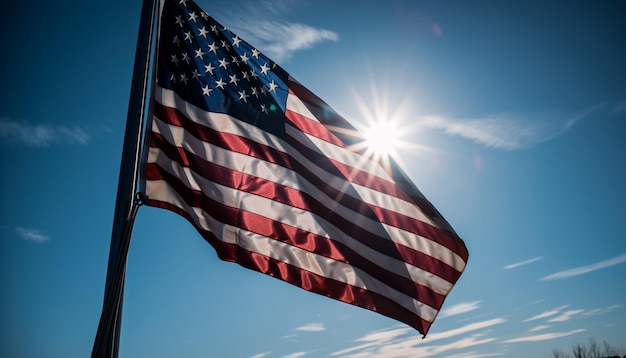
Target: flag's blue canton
<point>212,68</point>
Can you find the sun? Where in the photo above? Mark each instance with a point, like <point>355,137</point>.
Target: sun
<point>381,138</point>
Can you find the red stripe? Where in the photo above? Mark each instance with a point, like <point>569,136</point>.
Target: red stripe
<point>246,146</point>
<point>305,279</point>
<point>304,201</point>
<point>313,128</point>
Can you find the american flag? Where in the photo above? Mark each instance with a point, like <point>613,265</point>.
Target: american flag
<point>265,171</point>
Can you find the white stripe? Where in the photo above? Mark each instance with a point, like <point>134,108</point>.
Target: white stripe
<point>296,105</point>
<point>283,176</point>
<point>292,255</point>
<point>294,217</point>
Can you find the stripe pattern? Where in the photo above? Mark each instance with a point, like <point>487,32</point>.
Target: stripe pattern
<point>286,195</point>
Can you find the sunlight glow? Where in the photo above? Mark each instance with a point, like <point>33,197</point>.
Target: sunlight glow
<point>381,137</point>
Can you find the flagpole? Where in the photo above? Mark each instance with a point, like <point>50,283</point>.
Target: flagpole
<point>106,343</point>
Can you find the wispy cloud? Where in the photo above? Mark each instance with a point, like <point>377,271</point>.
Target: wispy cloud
<point>508,131</point>
<point>40,135</point>
<point>33,235</point>
<point>312,327</point>
<point>565,316</point>
<point>460,308</point>
<point>586,269</point>
<point>264,27</point>
<point>539,328</point>
<point>545,336</point>
<point>598,311</point>
<point>473,355</point>
<point>518,264</point>
<point>403,342</point>
<point>295,355</point>
<point>261,355</point>
<point>546,314</point>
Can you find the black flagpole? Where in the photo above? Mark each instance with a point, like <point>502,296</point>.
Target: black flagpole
<point>106,344</point>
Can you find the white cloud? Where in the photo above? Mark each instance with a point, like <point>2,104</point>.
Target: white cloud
<point>518,264</point>
<point>402,343</point>
<point>40,135</point>
<point>32,234</point>
<point>565,316</point>
<point>295,355</point>
<point>260,355</point>
<point>508,131</point>
<point>598,311</point>
<point>264,27</point>
<point>280,40</point>
<point>539,328</point>
<point>546,314</point>
<point>473,355</point>
<point>545,337</point>
<point>312,327</point>
<point>459,308</point>
<point>586,269</point>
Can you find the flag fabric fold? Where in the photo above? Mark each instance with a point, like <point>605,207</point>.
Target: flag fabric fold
<point>267,173</point>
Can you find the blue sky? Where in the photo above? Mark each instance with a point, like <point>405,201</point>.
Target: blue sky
<point>513,123</point>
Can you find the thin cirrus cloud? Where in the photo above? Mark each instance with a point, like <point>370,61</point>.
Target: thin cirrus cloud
<point>546,314</point>
<point>312,327</point>
<point>508,131</point>
<point>278,39</point>
<point>566,316</point>
<point>460,308</point>
<point>33,235</point>
<point>403,342</point>
<point>586,269</point>
<point>545,336</point>
<point>518,264</point>
<point>40,135</point>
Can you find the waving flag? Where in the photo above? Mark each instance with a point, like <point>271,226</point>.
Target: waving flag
<point>264,170</point>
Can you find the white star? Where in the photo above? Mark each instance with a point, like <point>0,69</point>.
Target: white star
<point>244,58</point>
<point>233,79</point>
<point>219,83</point>
<point>255,53</point>
<point>224,63</point>
<point>184,2</point>
<point>193,16</point>
<point>209,68</point>
<point>186,58</point>
<point>175,60</point>
<point>214,29</point>
<point>264,109</point>
<point>206,90</point>
<point>196,74</point>
<point>273,86</point>
<point>236,40</point>
<point>204,15</point>
<point>203,32</point>
<point>188,36</point>
<point>245,76</point>
<point>264,69</point>
<point>179,21</point>
<point>225,45</point>
<point>243,96</point>
<point>183,78</point>
<point>200,53</point>
<point>254,92</point>
<point>213,48</point>
<point>253,74</point>
<point>172,78</point>
<point>176,40</point>
<point>235,60</point>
